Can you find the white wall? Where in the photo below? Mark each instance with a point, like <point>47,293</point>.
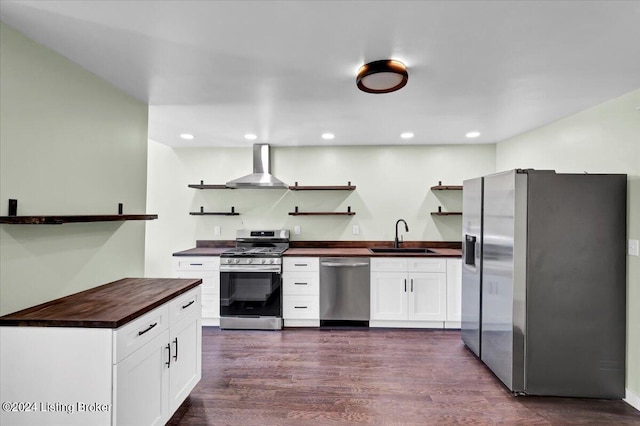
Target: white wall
<point>69,144</point>
<point>603,139</point>
<point>392,183</point>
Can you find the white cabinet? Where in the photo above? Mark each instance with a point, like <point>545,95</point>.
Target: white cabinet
<point>301,291</point>
<point>408,292</point>
<point>207,268</point>
<point>454,293</point>
<point>137,374</point>
<point>142,385</point>
<point>185,346</point>
<point>152,381</point>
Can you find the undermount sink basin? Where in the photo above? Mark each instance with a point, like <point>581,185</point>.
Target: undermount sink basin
<point>400,250</point>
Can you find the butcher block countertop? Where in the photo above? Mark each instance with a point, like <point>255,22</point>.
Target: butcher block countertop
<point>202,251</point>
<point>365,252</point>
<point>328,252</point>
<point>107,306</point>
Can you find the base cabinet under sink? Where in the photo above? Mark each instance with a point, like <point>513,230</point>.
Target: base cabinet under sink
<point>414,292</point>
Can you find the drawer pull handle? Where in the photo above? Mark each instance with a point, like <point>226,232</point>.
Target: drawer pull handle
<point>300,307</point>
<point>188,304</point>
<point>195,264</point>
<point>140,333</point>
<point>300,283</point>
<point>169,358</point>
<point>175,357</point>
<point>301,264</point>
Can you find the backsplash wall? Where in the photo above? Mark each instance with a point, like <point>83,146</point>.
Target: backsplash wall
<point>392,182</point>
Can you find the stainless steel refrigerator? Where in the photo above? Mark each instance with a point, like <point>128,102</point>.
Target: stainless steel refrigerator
<point>544,280</point>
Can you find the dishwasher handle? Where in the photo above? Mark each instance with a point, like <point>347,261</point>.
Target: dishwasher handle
<point>340,265</point>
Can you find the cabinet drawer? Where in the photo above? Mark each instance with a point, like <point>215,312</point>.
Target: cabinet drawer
<point>189,303</point>
<point>132,336</point>
<point>427,264</point>
<point>389,264</point>
<point>196,263</point>
<point>301,307</point>
<point>300,283</point>
<point>300,264</point>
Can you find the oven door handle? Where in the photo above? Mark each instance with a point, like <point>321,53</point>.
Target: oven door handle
<point>244,268</point>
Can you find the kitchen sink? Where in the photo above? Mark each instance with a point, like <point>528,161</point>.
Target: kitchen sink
<point>400,250</point>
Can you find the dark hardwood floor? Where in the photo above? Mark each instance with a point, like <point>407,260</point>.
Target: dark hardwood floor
<point>366,376</point>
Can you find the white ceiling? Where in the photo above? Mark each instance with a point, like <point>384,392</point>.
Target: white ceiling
<point>285,70</point>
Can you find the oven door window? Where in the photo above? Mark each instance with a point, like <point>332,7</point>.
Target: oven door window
<point>250,294</point>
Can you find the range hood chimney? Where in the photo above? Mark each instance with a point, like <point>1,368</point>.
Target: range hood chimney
<point>261,178</point>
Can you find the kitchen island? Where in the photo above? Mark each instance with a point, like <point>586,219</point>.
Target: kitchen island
<point>127,352</point>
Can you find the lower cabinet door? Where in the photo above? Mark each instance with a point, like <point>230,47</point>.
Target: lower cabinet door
<point>185,369</point>
<point>428,296</point>
<point>141,385</point>
<point>388,296</point>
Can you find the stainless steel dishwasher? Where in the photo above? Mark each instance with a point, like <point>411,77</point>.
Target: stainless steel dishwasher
<point>344,290</point>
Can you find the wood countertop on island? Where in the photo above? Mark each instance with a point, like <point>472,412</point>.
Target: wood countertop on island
<point>107,306</point>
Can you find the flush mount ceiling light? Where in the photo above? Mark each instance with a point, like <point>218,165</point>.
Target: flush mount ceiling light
<point>473,134</point>
<point>382,76</point>
<point>328,136</point>
<point>187,136</point>
<point>406,135</point>
<point>251,136</point>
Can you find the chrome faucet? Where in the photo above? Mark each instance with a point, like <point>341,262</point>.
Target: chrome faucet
<point>396,242</point>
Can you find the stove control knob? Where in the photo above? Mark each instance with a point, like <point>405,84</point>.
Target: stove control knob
<point>271,261</point>
<point>249,260</point>
<point>236,260</point>
<point>229,260</point>
<point>264,260</point>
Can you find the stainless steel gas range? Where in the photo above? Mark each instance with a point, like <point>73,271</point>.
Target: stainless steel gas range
<point>251,280</point>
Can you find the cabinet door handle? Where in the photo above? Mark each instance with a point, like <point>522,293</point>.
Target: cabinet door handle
<point>188,304</point>
<point>300,283</point>
<point>175,356</point>
<point>300,307</point>
<point>405,285</point>
<point>195,264</point>
<point>411,285</point>
<point>300,264</point>
<point>140,333</point>
<point>169,358</point>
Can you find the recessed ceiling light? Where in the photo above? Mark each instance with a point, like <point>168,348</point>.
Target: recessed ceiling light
<point>251,136</point>
<point>406,135</point>
<point>187,136</point>
<point>328,136</point>
<point>382,76</point>
<point>473,134</point>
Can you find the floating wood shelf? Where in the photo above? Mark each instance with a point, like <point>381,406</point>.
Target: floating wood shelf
<point>447,188</point>
<point>202,185</point>
<point>446,213</point>
<point>299,213</point>
<point>60,219</point>
<point>347,187</point>
<point>203,213</point>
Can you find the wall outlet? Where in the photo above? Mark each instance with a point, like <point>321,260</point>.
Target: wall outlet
<point>355,230</point>
<point>216,230</point>
<point>296,230</point>
<point>634,248</point>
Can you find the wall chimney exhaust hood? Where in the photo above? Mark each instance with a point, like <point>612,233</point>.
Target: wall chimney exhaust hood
<point>261,178</point>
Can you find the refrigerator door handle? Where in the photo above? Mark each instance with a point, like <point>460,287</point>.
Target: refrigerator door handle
<point>470,250</point>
